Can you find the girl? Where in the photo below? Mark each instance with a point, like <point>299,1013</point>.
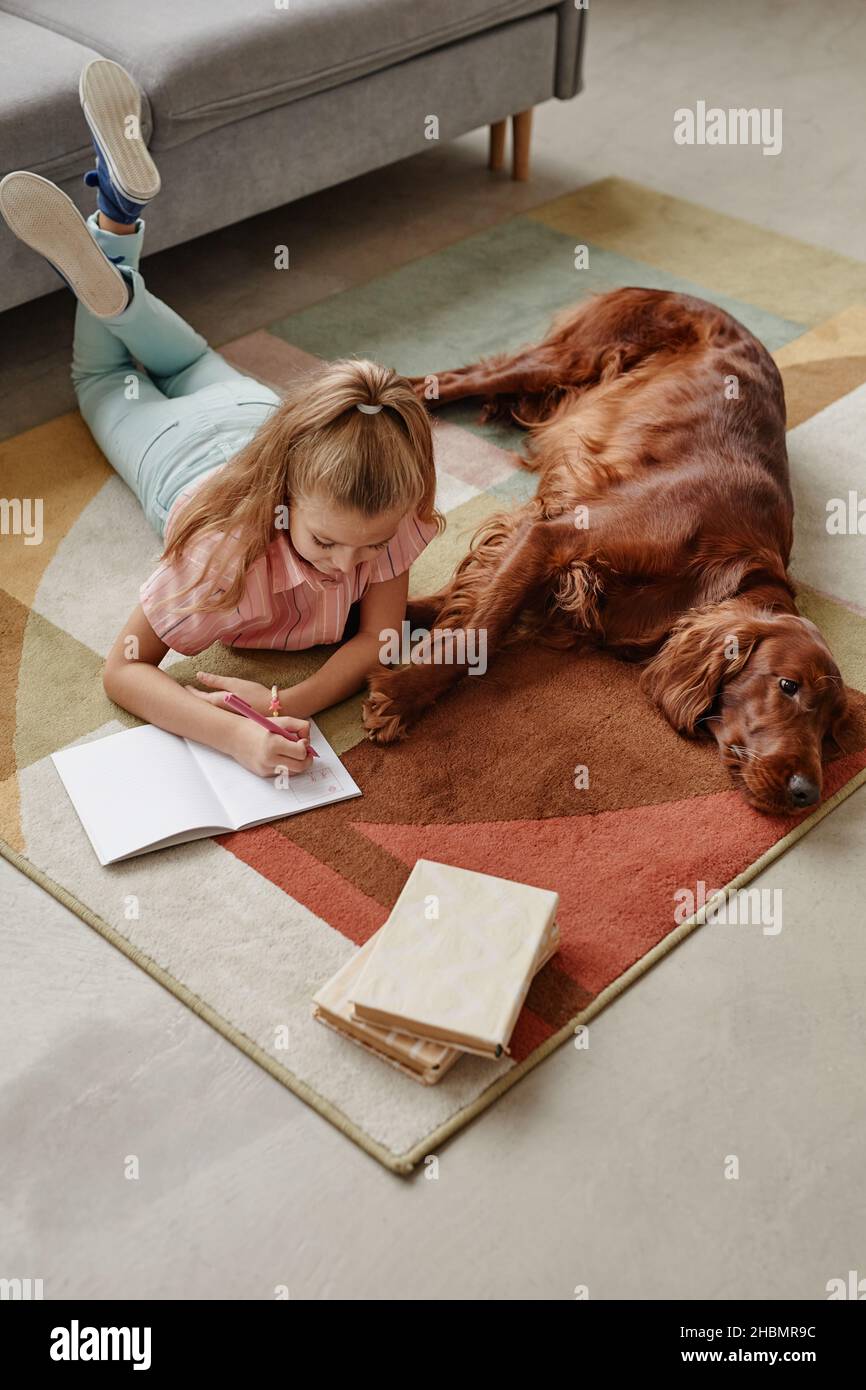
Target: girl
<point>276,517</point>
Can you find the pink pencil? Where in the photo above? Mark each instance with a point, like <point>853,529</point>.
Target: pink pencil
<point>234,702</point>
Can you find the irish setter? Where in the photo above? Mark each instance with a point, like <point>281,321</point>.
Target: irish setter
<point>661,529</point>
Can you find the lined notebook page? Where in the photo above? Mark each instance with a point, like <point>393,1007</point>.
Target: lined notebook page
<point>248,799</point>
<point>136,788</point>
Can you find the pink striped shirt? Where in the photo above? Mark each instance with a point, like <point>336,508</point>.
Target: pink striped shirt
<point>287,604</point>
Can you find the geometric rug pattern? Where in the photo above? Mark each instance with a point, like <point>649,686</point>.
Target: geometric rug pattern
<point>245,928</point>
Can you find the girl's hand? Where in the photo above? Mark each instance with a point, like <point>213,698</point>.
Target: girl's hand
<point>258,696</point>
<point>267,754</point>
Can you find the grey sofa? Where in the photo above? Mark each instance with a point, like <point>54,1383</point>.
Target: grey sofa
<point>254,103</point>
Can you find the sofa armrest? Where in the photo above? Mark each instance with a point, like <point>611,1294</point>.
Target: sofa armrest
<point>571,36</point>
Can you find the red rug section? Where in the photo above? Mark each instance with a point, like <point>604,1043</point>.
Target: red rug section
<point>616,873</point>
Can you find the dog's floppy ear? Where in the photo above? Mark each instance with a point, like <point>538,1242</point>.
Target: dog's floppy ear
<point>846,725</point>
<point>705,648</point>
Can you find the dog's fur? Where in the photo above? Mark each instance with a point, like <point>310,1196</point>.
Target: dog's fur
<point>661,529</point>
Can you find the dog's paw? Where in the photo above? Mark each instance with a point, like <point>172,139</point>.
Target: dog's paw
<point>382,719</point>
<point>399,696</point>
<point>420,385</point>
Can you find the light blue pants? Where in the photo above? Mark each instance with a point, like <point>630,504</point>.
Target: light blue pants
<point>188,412</point>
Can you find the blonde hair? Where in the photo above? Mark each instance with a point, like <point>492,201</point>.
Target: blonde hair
<point>315,443</point>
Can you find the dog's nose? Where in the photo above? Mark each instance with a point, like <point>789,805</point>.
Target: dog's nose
<point>803,791</point>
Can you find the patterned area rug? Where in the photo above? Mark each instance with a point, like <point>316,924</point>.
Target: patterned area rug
<point>245,928</point>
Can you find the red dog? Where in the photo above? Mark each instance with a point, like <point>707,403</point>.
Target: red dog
<point>661,528</point>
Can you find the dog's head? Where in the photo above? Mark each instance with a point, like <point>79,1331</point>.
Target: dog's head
<point>766,687</point>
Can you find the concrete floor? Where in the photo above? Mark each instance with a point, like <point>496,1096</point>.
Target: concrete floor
<point>605,1167</point>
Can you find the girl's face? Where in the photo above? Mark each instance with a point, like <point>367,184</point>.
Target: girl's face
<point>336,540</point>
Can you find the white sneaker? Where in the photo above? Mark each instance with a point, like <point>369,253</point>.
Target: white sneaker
<point>41,215</point>
<point>125,173</point>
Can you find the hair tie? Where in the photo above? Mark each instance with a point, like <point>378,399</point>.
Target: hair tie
<point>369,409</point>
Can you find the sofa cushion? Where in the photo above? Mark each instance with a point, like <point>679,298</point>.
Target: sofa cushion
<point>207,63</point>
<point>41,125</point>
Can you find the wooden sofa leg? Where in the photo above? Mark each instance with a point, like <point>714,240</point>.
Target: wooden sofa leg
<point>521,131</point>
<point>497,145</point>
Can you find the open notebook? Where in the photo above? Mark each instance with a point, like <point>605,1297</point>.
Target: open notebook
<point>143,789</point>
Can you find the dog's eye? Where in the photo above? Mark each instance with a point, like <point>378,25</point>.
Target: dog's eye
<point>788,687</point>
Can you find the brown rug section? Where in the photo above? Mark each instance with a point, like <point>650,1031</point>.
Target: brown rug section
<point>592,714</point>
<point>542,714</point>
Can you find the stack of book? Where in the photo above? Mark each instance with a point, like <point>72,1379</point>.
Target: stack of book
<point>448,972</point>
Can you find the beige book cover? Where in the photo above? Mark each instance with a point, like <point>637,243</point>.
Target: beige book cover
<point>455,959</point>
<point>418,1058</point>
